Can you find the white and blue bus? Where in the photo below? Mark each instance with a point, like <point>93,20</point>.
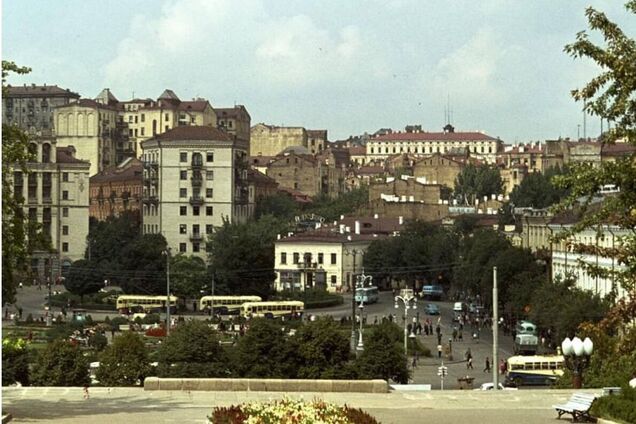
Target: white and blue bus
<point>534,369</point>
<point>367,294</point>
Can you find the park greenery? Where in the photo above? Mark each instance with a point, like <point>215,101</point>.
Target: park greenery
<point>476,182</point>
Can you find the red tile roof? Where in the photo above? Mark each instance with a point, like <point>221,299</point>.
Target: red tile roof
<point>132,171</point>
<point>65,155</point>
<point>618,149</point>
<point>39,91</point>
<point>357,150</point>
<point>434,136</point>
<point>195,105</point>
<point>369,170</point>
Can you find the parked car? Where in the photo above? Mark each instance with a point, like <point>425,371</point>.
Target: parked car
<point>490,386</point>
<point>431,309</point>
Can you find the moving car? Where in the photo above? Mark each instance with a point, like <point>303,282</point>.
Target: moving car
<point>432,292</point>
<point>431,309</point>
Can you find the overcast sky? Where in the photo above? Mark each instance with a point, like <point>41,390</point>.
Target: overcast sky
<point>344,66</point>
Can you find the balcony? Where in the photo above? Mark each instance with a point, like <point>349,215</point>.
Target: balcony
<point>151,165</point>
<point>307,265</point>
<point>196,200</point>
<point>150,199</point>
<point>196,179</point>
<point>47,199</point>
<point>197,164</point>
<point>196,237</point>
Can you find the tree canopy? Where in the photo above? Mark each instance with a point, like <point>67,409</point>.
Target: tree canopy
<point>475,182</point>
<point>537,191</point>
<point>124,362</point>
<point>61,364</point>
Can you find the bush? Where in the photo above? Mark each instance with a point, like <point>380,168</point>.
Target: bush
<point>125,362</point>
<point>15,361</point>
<point>29,319</point>
<point>117,321</point>
<point>61,364</point>
<point>151,319</point>
<point>98,341</point>
<point>313,298</point>
<point>617,407</point>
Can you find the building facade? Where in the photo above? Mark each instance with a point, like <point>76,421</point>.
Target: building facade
<point>31,107</point>
<point>271,140</point>
<point>55,193</point>
<point>194,178</point>
<point>235,121</point>
<point>117,190</point>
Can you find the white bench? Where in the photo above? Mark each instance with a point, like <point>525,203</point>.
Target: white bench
<point>607,391</point>
<point>578,406</point>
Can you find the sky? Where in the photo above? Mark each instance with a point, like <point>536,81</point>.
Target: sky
<point>346,66</point>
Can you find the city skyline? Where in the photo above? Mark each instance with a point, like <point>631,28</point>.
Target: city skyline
<point>346,68</point>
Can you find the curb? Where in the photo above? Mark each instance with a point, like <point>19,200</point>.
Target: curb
<point>605,421</point>
<point>6,418</point>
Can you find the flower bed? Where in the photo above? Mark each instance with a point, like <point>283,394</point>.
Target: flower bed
<point>288,411</point>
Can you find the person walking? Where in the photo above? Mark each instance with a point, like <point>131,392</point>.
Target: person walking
<point>469,364</point>
<point>439,350</point>
<point>86,394</point>
<point>487,369</point>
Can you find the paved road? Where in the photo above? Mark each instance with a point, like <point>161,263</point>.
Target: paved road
<point>125,405</point>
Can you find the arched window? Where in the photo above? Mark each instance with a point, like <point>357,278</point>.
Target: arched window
<point>46,153</point>
<point>197,159</point>
<point>33,152</point>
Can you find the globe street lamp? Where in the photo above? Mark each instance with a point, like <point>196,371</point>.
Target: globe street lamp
<point>361,282</point>
<point>577,354</point>
<point>409,302</point>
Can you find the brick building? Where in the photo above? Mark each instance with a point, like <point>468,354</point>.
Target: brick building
<point>117,190</point>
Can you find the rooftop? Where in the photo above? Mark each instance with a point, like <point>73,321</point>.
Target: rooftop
<point>39,91</point>
<point>193,132</point>
<point>435,136</point>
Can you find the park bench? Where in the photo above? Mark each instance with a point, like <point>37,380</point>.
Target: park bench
<point>578,406</point>
<point>607,391</point>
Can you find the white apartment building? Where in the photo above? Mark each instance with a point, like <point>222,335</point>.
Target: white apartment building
<point>479,145</point>
<point>194,178</point>
<point>56,195</point>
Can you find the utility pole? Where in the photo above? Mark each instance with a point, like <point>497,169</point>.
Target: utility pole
<point>212,294</point>
<point>495,331</point>
<point>167,253</point>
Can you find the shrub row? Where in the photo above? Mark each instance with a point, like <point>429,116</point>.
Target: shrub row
<point>617,407</point>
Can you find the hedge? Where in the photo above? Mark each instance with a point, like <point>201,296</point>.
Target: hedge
<point>617,407</point>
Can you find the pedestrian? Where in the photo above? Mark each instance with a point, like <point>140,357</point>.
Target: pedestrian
<point>454,334</point>
<point>469,364</point>
<point>86,394</point>
<point>439,350</point>
<point>20,312</point>
<point>20,284</point>
<point>460,336</point>
<point>375,320</point>
<point>438,329</point>
<point>502,367</point>
<point>414,363</point>
<point>487,369</point>
<point>426,329</point>
<point>439,338</point>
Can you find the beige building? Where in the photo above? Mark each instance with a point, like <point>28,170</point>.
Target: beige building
<point>147,118</point>
<point>235,121</point>
<point>270,140</point>
<point>194,177</point>
<point>438,169</point>
<point>91,128</point>
<point>55,192</point>
<point>477,144</point>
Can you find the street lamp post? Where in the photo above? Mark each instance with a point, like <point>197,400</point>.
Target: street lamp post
<point>577,354</point>
<point>167,253</point>
<point>361,282</point>
<point>409,302</point>
<point>354,253</point>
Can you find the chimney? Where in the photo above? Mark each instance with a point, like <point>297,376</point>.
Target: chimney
<point>341,216</point>
<point>375,216</point>
<point>349,238</point>
<point>342,228</point>
<point>357,227</point>
<point>400,220</point>
<point>277,236</point>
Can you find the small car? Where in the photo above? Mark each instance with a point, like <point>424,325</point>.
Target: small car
<point>431,309</point>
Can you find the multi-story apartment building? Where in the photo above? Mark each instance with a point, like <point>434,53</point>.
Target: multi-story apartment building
<point>117,190</point>
<point>235,120</point>
<point>55,193</point>
<point>30,107</point>
<point>270,140</point>
<point>194,178</point>
<point>147,118</point>
<point>91,127</point>
<point>478,145</point>
<point>528,155</point>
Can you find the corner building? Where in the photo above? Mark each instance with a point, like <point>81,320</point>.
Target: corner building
<point>194,177</point>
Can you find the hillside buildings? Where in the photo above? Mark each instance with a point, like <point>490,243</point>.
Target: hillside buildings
<point>117,190</point>
<point>270,140</point>
<point>194,178</point>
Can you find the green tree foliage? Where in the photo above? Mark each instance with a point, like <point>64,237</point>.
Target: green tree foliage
<point>265,352</point>
<point>125,362</point>
<point>346,203</point>
<point>15,249</point>
<point>323,351</point>
<point>15,361</point>
<point>279,205</point>
<point>61,364</point>
<point>475,182</point>
<point>537,191</point>
<point>187,275</point>
<point>241,256</point>
<point>192,350</point>
<point>383,356</point>
<point>84,278</point>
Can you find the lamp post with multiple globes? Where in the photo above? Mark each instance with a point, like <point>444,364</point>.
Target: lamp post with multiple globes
<point>577,354</point>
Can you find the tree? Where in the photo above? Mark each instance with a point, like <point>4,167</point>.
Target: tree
<point>279,205</point>
<point>187,275</point>
<point>322,349</point>
<point>15,155</point>
<point>84,277</point>
<point>347,203</point>
<point>265,352</point>
<point>61,364</point>
<point>536,191</point>
<point>125,362</point>
<point>15,361</point>
<point>383,356</point>
<point>145,265</point>
<point>475,182</point>
<point>192,350</point>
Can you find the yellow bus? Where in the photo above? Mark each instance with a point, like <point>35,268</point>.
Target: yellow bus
<point>272,309</point>
<point>230,303</point>
<point>534,369</point>
<point>130,303</point>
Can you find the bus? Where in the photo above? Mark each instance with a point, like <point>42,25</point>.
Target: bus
<point>367,294</point>
<point>131,303</point>
<point>272,309</point>
<point>226,303</point>
<point>534,370</point>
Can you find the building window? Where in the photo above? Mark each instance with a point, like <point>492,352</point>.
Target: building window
<point>130,118</point>
<point>65,195</point>
<point>64,247</point>
<point>183,175</point>
<point>65,212</point>
<point>334,280</point>
<point>143,131</point>
<point>183,229</point>
<point>183,210</point>
<point>209,157</point>
<point>182,247</point>
<point>296,257</point>
<point>208,192</point>
<point>167,118</point>
<point>320,258</point>
<point>209,228</point>
<point>65,230</point>
<point>283,258</point>
<point>183,192</point>
<point>196,247</point>
<point>195,210</point>
<point>208,210</point>
<point>333,259</point>
<point>143,119</point>
<point>65,177</point>
<point>183,157</point>
<point>209,175</point>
